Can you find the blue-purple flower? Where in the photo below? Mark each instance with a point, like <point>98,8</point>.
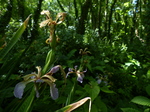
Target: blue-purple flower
<point>79,74</point>
<point>102,79</point>
<point>37,78</point>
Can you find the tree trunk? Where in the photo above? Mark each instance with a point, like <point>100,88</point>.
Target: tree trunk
<point>34,32</point>
<point>83,17</point>
<point>110,19</point>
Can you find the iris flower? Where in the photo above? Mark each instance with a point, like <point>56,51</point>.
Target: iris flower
<point>52,23</point>
<point>80,75</point>
<point>37,78</point>
<point>59,18</point>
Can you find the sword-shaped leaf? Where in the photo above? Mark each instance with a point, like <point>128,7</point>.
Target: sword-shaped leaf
<point>14,39</point>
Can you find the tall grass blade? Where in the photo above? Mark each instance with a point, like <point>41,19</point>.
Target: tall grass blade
<point>14,39</point>
<point>27,104</point>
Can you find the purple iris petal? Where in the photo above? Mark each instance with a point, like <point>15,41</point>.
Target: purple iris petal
<point>19,89</point>
<point>54,69</point>
<point>39,80</point>
<point>80,78</point>
<point>32,77</point>
<point>99,81</point>
<point>54,91</point>
<point>37,94</point>
<point>85,71</point>
<point>75,67</point>
<point>70,69</point>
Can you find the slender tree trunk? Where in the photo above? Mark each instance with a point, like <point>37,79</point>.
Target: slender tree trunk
<point>61,7</point>
<point>21,9</point>
<point>110,19</point>
<point>147,24</point>
<point>106,18</point>
<point>100,18</point>
<point>83,17</point>
<point>132,32</point>
<point>34,32</point>
<point>75,8</point>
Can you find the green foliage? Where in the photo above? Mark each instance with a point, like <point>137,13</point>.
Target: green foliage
<point>141,100</point>
<point>27,104</point>
<point>148,89</point>
<point>93,90</point>
<point>116,33</point>
<point>129,110</point>
<point>14,39</point>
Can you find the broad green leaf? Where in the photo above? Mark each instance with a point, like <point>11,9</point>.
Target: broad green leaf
<point>129,110</point>
<point>75,105</point>
<point>93,90</point>
<point>94,108</point>
<point>14,39</point>
<point>100,104</point>
<point>141,100</point>
<point>147,110</point>
<point>106,89</point>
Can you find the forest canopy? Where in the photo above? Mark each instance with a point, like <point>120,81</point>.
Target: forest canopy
<point>74,55</point>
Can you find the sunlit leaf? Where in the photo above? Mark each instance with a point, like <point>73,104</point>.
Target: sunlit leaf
<point>141,100</point>
<point>14,39</point>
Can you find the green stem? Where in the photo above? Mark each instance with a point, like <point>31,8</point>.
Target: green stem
<point>71,95</point>
<point>49,61</point>
<point>51,53</point>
